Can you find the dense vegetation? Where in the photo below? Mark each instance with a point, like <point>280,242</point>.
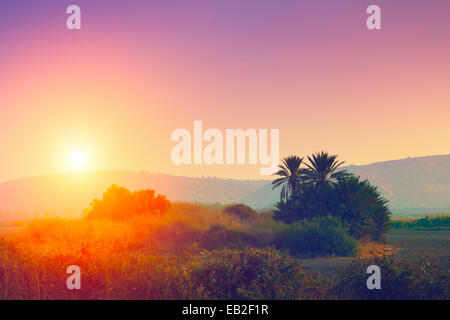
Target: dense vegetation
<point>425,223</point>
<point>135,245</point>
<point>321,190</point>
<point>120,203</point>
<point>421,280</point>
<point>155,257</point>
<point>321,236</point>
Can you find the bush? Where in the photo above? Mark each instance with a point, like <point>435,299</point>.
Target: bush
<point>324,236</point>
<point>423,280</point>
<point>241,211</point>
<point>253,274</point>
<point>361,206</point>
<point>119,203</point>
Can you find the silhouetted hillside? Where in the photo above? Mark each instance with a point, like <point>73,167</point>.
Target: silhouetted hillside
<point>411,185</point>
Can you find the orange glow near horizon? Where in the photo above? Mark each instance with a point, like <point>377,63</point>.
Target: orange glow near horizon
<point>118,89</point>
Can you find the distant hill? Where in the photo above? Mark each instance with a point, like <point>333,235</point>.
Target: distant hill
<point>413,185</point>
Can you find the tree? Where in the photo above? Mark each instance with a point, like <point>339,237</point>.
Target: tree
<point>289,173</point>
<point>361,206</point>
<point>310,202</point>
<point>357,203</point>
<point>120,203</point>
<point>322,168</point>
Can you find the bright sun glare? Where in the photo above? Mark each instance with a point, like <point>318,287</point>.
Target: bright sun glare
<point>77,159</point>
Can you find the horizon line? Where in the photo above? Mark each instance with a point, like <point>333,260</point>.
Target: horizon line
<point>199,177</point>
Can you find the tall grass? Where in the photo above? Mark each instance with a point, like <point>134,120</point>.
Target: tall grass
<point>191,252</point>
<point>399,280</point>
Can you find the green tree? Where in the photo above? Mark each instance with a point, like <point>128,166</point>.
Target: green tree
<point>120,203</point>
<point>361,206</point>
<point>289,179</point>
<point>322,168</point>
<point>310,202</point>
<point>357,203</point>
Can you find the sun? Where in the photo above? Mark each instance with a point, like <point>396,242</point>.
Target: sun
<point>77,159</point>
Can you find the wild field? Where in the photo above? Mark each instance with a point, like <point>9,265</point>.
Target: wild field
<point>429,222</point>
<point>195,251</point>
<point>407,246</point>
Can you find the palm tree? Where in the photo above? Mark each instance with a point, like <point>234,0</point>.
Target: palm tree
<point>322,169</point>
<point>289,173</point>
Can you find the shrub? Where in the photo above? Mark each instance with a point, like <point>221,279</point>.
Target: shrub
<point>253,274</point>
<point>322,236</point>
<point>241,211</point>
<point>119,203</point>
<point>423,280</point>
<point>361,206</point>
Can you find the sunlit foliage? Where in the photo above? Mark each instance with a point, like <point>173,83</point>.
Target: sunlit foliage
<point>120,203</point>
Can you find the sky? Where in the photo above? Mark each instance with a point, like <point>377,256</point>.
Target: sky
<point>138,70</point>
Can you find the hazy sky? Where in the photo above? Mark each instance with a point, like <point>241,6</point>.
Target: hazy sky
<point>138,70</point>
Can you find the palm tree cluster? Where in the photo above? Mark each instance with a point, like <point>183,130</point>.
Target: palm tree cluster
<point>320,171</point>
<point>317,188</point>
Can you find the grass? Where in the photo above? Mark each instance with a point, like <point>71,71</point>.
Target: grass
<point>410,247</point>
<point>192,252</point>
<point>413,245</point>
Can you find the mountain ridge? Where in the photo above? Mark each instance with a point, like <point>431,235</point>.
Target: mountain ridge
<point>414,185</point>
